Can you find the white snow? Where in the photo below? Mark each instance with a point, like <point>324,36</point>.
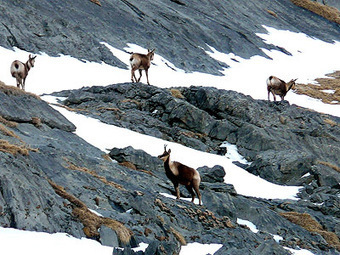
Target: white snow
<point>277,238</point>
<point>249,224</point>
<point>200,249</point>
<point>17,242</point>
<point>311,58</point>
<point>329,91</point>
<point>196,201</point>
<point>233,154</point>
<point>111,136</point>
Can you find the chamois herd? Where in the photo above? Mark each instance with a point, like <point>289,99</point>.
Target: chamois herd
<point>175,171</point>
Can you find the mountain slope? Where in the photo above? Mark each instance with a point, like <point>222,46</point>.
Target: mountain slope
<point>54,185</point>
<point>178,30</point>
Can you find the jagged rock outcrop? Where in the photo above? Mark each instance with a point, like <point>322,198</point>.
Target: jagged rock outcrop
<point>283,142</point>
<point>54,184</point>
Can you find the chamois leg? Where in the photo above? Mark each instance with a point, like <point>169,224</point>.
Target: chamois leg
<point>191,191</point>
<point>23,84</point>
<point>133,76</point>
<point>177,190</point>
<point>196,185</point>
<point>274,96</point>
<point>268,95</point>
<point>147,76</point>
<point>18,83</point>
<point>140,74</point>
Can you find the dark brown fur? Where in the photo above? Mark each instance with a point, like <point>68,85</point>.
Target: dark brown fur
<point>278,87</point>
<point>141,62</point>
<point>181,174</point>
<point>20,70</point>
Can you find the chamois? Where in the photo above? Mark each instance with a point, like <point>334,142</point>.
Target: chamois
<point>141,62</point>
<point>181,174</point>
<point>279,87</point>
<point>20,70</point>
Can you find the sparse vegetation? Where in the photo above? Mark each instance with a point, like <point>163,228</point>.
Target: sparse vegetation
<point>13,149</point>
<point>96,2</point>
<point>330,122</point>
<point>180,238</point>
<point>112,109</point>
<point>8,123</point>
<point>72,166</point>
<point>336,168</point>
<point>176,93</point>
<point>325,11</point>
<point>11,90</point>
<point>272,13</point>
<point>319,91</point>
<point>69,108</point>
<point>133,167</point>
<point>128,165</point>
<point>309,223</point>
<point>8,132</point>
<point>90,220</point>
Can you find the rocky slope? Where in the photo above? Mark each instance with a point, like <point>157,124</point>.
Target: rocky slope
<point>50,178</point>
<point>179,30</point>
<point>283,142</point>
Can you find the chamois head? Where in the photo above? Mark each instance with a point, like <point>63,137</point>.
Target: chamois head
<point>165,155</point>
<point>291,84</point>
<point>151,54</point>
<point>31,60</point>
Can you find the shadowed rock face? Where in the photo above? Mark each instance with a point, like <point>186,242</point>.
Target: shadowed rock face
<point>283,142</point>
<point>180,31</point>
<point>129,192</point>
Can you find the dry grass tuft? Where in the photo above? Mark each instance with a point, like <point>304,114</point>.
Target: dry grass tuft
<point>133,167</point>
<point>336,168</point>
<point>36,121</point>
<point>330,122</point>
<point>193,135</point>
<point>8,123</point>
<point>107,157</point>
<point>318,91</point>
<point>180,238</point>
<point>328,12</point>
<point>309,223</point>
<point>176,93</point>
<point>96,2</point>
<point>13,149</point>
<point>133,101</point>
<point>11,90</point>
<point>69,108</point>
<point>8,132</point>
<point>110,109</point>
<point>272,13</point>
<point>94,174</point>
<point>91,221</point>
<point>128,165</point>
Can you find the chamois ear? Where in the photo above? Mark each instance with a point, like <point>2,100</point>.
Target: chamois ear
<point>295,79</point>
<point>169,151</point>
<point>34,57</point>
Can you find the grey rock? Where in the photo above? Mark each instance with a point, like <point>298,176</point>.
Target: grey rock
<point>108,237</point>
<point>215,174</point>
